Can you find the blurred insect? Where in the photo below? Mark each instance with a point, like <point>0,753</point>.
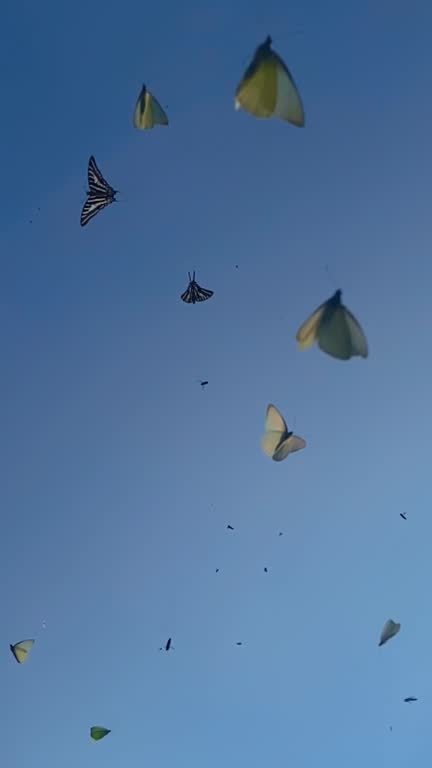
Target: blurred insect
<point>410,698</point>
<point>148,111</point>
<point>403,516</point>
<point>239,643</point>
<point>280,533</point>
<point>167,646</point>
<point>265,570</point>
<point>230,528</point>
<point>389,630</point>
<point>97,732</point>
<point>99,195</point>
<point>267,88</point>
<point>21,650</point>
<point>335,329</point>
<point>203,384</point>
<point>217,570</point>
<point>194,292</point>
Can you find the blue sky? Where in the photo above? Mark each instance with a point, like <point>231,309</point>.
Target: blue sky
<point>119,475</point>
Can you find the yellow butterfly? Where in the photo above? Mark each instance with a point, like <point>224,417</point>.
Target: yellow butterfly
<point>267,88</point>
<point>148,111</point>
<point>21,650</point>
<point>277,442</point>
<point>335,329</point>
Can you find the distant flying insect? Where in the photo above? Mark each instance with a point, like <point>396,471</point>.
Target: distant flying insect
<point>280,533</point>
<point>99,194</point>
<point>410,698</point>
<point>148,111</point>
<point>402,515</point>
<point>194,292</point>
<point>389,630</point>
<point>267,88</point>
<point>239,643</point>
<point>265,570</point>
<point>167,645</point>
<point>97,732</point>
<point>21,650</point>
<point>335,329</point>
<point>217,570</point>
<point>230,528</point>
<point>203,384</point>
<point>277,442</point>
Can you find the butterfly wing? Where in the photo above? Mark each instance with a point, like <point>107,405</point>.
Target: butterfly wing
<point>92,206</point>
<point>292,444</point>
<point>276,431</point>
<point>389,630</point>
<point>194,293</point>
<point>289,105</point>
<point>96,182</point>
<point>340,335</point>
<point>21,650</point>
<point>308,332</point>
<point>257,91</point>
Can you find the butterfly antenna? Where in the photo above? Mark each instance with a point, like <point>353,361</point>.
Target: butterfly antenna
<point>330,276</point>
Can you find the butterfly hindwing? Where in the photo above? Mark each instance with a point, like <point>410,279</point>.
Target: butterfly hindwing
<point>21,650</point>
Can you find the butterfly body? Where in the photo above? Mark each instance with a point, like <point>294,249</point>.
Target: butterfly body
<point>99,194</point>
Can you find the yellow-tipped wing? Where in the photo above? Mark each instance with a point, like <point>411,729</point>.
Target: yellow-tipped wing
<point>277,442</point>
<point>308,332</point>
<point>21,650</point>
<point>267,88</point>
<point>148,111</point>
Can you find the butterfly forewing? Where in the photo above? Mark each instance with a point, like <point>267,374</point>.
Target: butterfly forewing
<point>195,293</point>
<point>99,195</point>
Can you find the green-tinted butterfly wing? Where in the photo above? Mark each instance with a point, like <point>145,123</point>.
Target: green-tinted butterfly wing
<point>97,732</point>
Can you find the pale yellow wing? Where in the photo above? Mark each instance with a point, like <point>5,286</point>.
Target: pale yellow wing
<point>289,105</point>
<point>21,650</point>
<point>389,630</point>
<point>257,92</point>
<point>340,335</point>
<point>308,332</point>
<point>292,444</point>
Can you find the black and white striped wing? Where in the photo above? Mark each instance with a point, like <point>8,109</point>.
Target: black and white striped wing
<point>96,182</point>
<point>194,293</point>
<point>92,206</point>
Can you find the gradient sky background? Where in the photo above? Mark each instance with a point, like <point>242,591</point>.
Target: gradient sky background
<point>119,474</point>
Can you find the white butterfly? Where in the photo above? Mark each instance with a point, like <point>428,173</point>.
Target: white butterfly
<point>335,329</point>
<point>277,441</point>
<point>389,630</point>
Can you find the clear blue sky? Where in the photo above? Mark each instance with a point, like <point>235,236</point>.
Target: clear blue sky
<point>119,475</point>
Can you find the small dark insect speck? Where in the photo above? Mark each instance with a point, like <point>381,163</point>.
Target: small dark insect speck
<point>265,570</point>
<point>402,515</point>
<point>167,645</point>
<point>230,528</point>
<point>239,643</point>
<point>217,570</point>
<point>203,384</point>
<point>280,533</point>
<point>410,698</point>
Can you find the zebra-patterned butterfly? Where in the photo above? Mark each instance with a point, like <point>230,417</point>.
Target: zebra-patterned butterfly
<point>194,292</point>
<point>99,195</point>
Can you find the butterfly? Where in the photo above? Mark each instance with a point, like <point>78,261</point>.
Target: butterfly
<point>99,194</point>
<point>21,650</point>
<point>389,630</point>
<point>194,292</point>
<point>97,732</point>
<point>148,111</point>
<point>277,441</point>
<point>335,329</point>
<point>267,88</point>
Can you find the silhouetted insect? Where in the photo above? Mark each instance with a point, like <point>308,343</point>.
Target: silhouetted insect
<point>194,292</point>
<point>203,384</point>
<point>410,698</point>
<point>167,645</point>
<point>230,528</point>
<point>239,643</point>
<point>280,533</point>
<point>99,195</point>
<point>217,570</point>
<point>402,515</point>
<point>265,570</point>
